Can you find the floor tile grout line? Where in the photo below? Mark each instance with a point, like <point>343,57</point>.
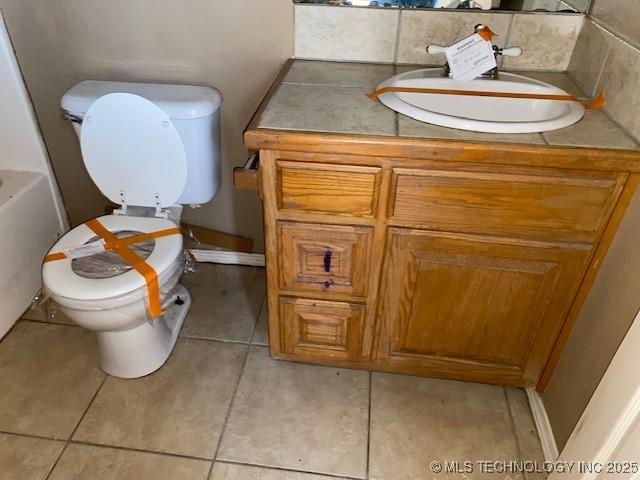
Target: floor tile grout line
<point>263,305</point>
<point>284,469</point>
<point>138,450</point>
<point>187,336</point>
<point>31,435</point>
<point>104,445</point>
<point>47,322</point>
<point>228,412</point>
<point>216,340</point>
<point>64,449</point>
<point>369,426</point>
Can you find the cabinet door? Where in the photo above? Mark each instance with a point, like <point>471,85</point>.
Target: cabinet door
<point>472,307</point>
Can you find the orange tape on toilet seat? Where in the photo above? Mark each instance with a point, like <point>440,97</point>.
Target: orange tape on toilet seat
<point>121,247</point>
<point>54,256</point>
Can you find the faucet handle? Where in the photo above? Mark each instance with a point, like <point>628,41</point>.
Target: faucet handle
<point>510,52</point>
<point>432,49</point>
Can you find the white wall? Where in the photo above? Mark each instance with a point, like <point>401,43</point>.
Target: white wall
<point>237,46</point>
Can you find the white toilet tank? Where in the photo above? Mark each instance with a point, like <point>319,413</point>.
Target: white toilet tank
<point>195,113</point>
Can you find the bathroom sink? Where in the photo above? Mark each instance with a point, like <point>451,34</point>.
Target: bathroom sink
<point>481,114</point>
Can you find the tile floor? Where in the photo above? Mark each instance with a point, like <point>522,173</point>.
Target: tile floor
<point>221,409</point>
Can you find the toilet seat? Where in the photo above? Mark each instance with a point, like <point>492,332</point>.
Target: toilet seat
<point>60,279</point>
<point>133,151</point>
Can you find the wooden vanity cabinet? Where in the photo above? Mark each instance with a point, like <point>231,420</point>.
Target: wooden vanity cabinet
<point>450,268</point>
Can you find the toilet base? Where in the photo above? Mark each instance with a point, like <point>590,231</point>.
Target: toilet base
<point>144,349</point>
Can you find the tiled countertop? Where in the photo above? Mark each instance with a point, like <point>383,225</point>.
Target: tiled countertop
<point>330,97</point>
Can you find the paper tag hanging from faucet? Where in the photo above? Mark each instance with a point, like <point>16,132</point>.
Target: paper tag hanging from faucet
<point>470,57</point>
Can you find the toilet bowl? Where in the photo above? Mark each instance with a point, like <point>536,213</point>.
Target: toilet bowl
<point>103,294</point>
<point>149,148</point>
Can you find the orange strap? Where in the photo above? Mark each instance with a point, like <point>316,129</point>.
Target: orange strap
<point>145,237</point>
<point>54,256</point>
<point>596,104</point>
<point>120,246</point>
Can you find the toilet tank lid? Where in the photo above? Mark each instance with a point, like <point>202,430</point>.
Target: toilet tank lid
<point>177,101</point>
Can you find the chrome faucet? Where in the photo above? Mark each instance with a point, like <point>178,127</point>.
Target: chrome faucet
<point>492,74</point>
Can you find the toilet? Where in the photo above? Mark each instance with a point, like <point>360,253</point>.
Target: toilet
<point>150,148</point>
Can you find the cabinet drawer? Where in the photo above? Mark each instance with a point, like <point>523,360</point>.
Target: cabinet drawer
<point>324,258</point>
<point>314,328</point>
<point>246,178</point>
<point>326,188</point>
<point>571,208</point>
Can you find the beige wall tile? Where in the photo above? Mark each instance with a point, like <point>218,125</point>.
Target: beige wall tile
<point>48,376</point>
<point>300,417</point>
<point>226,301</point>
<point>83,462</point>
<point>547,41</point>
<point>178,409</point>
<point>620,82</point>
<point>357,34</point>
<point>415,421</point>
<point>421,28</point>
<point>589,56</point>
<point>227,471</point>
<point>26,458</point>
<point>622,17</point>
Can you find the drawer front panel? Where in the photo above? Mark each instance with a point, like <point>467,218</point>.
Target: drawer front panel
<point>567,208</point>
<point>314,328</point>
<point>324,258</point>
<point>326,188</point>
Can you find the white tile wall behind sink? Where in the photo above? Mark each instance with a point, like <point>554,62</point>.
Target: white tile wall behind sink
<point>393,36</point>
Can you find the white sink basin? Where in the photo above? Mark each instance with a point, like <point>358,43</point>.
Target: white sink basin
<point>481,114</point>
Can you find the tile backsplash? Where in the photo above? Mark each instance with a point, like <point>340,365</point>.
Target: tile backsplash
<point>547,41</point>
<point>340,33</point>
<point>421,28</point>
<point>607,58</point>
<point>400,36</point>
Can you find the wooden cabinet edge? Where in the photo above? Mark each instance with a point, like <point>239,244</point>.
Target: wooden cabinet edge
<point>488,153</point>
<point>629,190</point>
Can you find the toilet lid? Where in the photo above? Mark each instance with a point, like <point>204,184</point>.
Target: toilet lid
<point>60,279</point>
<point>133,152</point>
